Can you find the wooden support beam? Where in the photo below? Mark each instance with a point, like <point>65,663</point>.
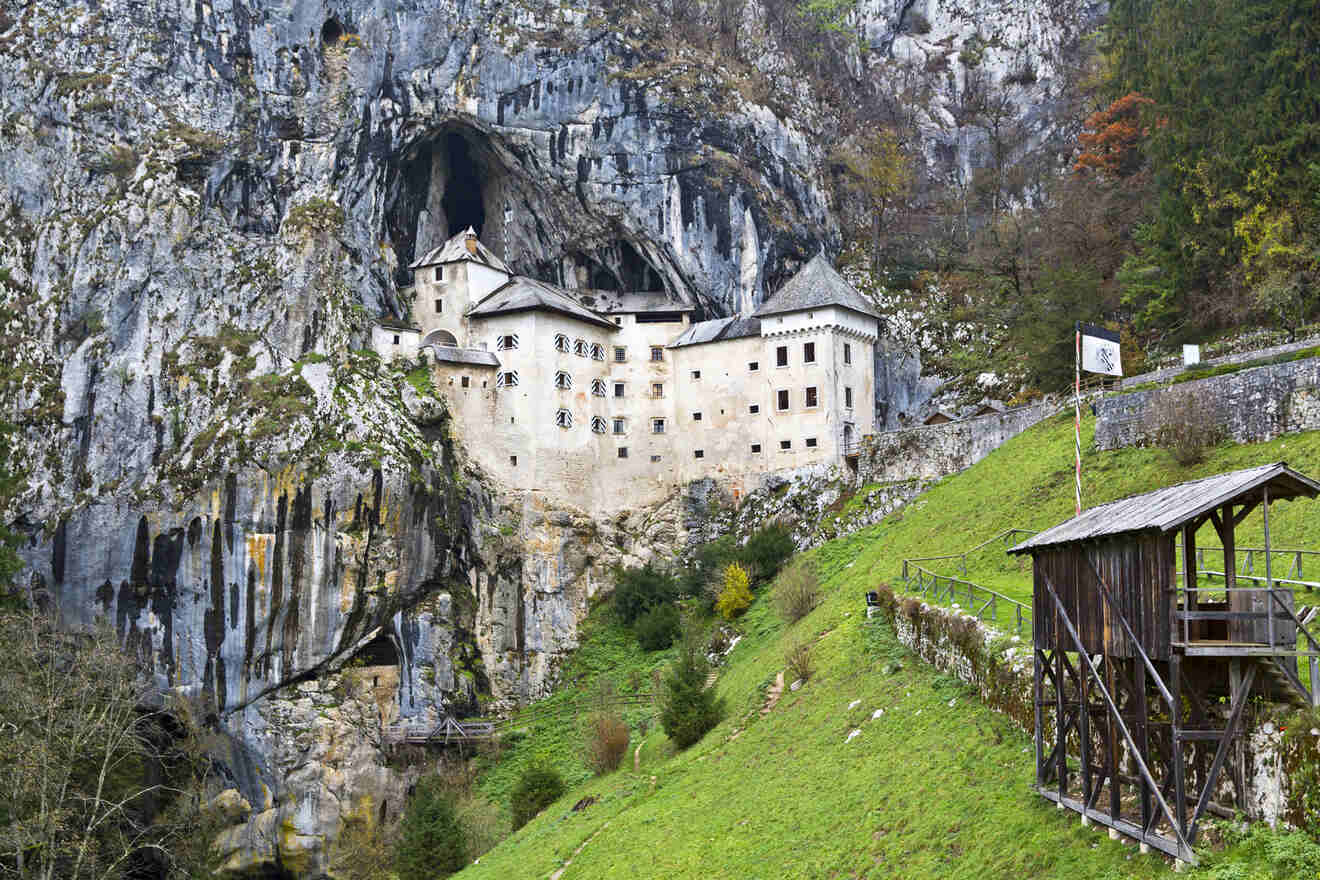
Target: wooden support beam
<point>1230,732</point>
<point>1178,819</point>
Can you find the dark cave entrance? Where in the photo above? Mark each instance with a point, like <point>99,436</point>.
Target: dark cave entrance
<point>618,266</point>
<point>462,202</point>
<point>380,651</point>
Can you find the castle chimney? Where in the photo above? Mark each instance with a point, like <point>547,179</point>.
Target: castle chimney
<point>470,239</point>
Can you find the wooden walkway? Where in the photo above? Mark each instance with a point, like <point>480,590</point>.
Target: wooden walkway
<point>451,731</point>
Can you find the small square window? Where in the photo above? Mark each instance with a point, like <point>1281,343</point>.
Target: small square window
<point>847,353</point>
<point>396,339</point>
<point>620,354</point>
<point>811,442</point>
<point>618,389</point>
<point>657,353</point>
<point>782,399</point>
<point>439,307</point>
<point>753,366</point>
<point>696,417</point>
<point>465,381</point>
<point>756,449</point>
<point>618,427</point>
<point>513,460</point>
<point>657,389</point>
<point>785,444</point>
<point>813,398</point>
<point>847,397</point>
<point>696,374</point>
<point>808,352</point>
<point>657,426</point>
<point>754,408</point>
<point>654,459</point>
<point>623,452</point>
<point>700,453</point>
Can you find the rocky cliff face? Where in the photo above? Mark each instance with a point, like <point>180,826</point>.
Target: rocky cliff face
<point>202,206</point>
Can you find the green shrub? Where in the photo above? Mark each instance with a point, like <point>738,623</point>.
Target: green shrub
<point>607,742</point>
<point>737,592</point>
<point>657,628</point>
<point>797,658</point>
<point>705,566</point>
<point>431,842</point>
<point>539,786</point>
<point>688,710</point>
<point>797,591</point>
<point>767,550</point>
<point>638,590</point>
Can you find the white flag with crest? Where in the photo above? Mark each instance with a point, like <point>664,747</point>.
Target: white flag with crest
<point>1100,350</point>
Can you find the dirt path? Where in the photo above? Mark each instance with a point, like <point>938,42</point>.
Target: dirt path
<point>772,695</point>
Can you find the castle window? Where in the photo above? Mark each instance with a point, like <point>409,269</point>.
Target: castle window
<point>847,397</point>
<point>754,408</point>
<point>812,398</point>
<point>623,452</point>
<point>465,381</point>
<point>513,460</point>
<point>618,389</point>
<point>847,353</point>
<point>696,417</point>
<point>506,342</point>
<point>655,459</point>
<point>620,354</point>
<point>657,426</point>
<point>597,351</point>
<point>580,348</point>
<point>564,418</point>
<point>598,425</point>
<point>506,380</point>
<point>563,380</point>
<point>781,356</point>
<point>808,352</point>
<point>439,307</point>
<point>753,366</point>
<point>781,399</point>
<point>618,322</point>
<point>562,343</point>
<point>811,442</point>
<point>785,444</point>
<point>700,453</point>
<point>657,389</point>
<point>439,275</point>
<point>598,387</point>
<point>619,426</point>
<point>657,353</point>
<point>756,449</point>
<point>396,339</point>
<point>696,374</point>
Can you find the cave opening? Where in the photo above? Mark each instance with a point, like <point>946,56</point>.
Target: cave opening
<point>332,31</point>
<point>463,203</point>
<point>380,651</point>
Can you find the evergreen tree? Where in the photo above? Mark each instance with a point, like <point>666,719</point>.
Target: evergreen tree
<point>688,709</point>
<point>431,842</point>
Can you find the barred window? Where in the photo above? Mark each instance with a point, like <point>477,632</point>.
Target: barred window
<point>506,380</point>
<point>657,426</point>
<point>564,418</point>
<point>563,380</point>
<point>620,354</point>
<point>598,425</point>
<point>507,341</point>
<point>598,387</point>
<point>562,343</point>
<point>620,426</point>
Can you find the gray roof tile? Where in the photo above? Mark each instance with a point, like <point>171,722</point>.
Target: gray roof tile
<point>816,285</point>
<point>520,294</point>
<point>456,251</point>
<point>717,330</point>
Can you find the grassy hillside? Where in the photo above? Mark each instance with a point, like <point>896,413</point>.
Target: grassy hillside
<point>936,786</point>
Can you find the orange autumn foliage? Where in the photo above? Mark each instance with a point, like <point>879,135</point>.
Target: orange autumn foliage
<point>1111,141</point>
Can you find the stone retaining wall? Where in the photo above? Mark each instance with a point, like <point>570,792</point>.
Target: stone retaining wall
<point>1253,405</point>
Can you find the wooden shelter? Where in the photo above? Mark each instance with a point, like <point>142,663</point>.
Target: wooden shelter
<point>1132,654</point>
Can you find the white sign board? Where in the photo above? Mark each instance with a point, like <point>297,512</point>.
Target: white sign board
<point>1100,350</point>
<point>1191,355</point>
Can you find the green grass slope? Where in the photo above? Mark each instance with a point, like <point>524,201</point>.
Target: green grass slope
<point>935,786</point>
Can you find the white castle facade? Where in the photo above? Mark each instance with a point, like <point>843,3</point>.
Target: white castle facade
<point>613,400</point>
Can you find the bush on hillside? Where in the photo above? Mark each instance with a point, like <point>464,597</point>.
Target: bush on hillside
<point>1185,424</point>
<point>657,628</point>
<point>797,591</point>
<point>431,842</point>
<point>539,786</point>
<point>797,658</point>
<point>688,710</point>
<point>638,590</point>
<point>607,742</point>
<point>767,550</point>
<point>737,593</point>
<point>705,566</point>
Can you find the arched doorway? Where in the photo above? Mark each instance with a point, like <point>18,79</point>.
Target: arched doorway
<point>441,337</point>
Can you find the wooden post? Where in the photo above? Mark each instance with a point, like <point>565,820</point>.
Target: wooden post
<point>1115,752</point>
<point>1038,694</point>
<point>1175,739</point>
<point>1269,572</point>
<point>1143,738</point>
<point>1190,556</point>
<point>1060,732</point>
<point>1238,631</point>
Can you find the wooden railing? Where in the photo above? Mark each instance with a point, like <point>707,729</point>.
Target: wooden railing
<point>983,602</point>
<point>1293,575</point>
<point>1004,536</point>
<point>452,731</point>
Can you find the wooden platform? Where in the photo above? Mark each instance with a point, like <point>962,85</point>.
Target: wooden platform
<point>1225,648</point>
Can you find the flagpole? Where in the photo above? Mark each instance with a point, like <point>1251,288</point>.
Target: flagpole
<point>1077,415</point>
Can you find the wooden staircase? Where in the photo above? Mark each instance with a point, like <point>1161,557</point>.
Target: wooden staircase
<point>1283,683</point>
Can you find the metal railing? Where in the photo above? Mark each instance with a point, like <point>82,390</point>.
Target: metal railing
<point>1294,573</point>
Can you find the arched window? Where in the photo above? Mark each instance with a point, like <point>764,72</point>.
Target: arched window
<point>564,418</point>
<point>563,380</point>
<point>598,425</point>
<point>597,352</point>
<point>507,341</point>
<point>562,343</point>
<point>506,380</point>
<point>580,348</point>
<point>598,387</point>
